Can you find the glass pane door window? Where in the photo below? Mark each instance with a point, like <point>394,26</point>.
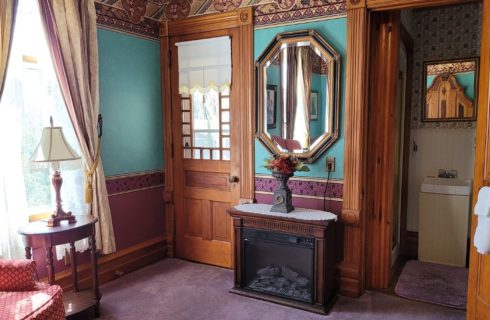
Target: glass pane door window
<point>206,125</point>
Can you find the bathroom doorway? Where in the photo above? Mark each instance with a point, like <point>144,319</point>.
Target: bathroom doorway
<point>424,161</point>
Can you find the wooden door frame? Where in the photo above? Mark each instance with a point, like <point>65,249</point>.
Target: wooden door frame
<point>242,20</point>
<point>354,216</point>
<point>482,171</point>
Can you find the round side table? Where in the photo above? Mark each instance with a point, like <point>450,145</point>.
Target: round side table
<point>39,235</point>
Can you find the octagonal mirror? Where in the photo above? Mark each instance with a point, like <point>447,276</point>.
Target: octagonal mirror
<point>298,82</point>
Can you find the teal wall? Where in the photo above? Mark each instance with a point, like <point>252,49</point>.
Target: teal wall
<point>335,32</point>
<point>465,79</point>
<point>130,101</point>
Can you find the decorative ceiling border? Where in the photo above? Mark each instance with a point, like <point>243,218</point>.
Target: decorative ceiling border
<point>143,17</point>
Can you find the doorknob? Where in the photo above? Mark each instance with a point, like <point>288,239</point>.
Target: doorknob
<point>233,179</point>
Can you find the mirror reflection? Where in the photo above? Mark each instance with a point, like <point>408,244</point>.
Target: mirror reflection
<point>450,90</point>
<point>298,108</point>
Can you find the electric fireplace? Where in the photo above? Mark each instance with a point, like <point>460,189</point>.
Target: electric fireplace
<point>284,259</point>
<point>279,264</point>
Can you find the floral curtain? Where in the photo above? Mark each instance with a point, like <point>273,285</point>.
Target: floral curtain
<point>7,21</point>
<point>72,37</point>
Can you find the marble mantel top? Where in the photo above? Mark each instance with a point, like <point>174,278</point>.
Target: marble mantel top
<point>298,213</point>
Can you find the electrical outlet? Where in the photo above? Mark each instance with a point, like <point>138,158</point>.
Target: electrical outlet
<point>330,166</point>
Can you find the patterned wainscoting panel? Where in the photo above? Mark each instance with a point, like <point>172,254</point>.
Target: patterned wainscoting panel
<point>444,33</point>
<point>307,192</point>
<point>138,181</point>
<point>303,187</point>
<point>142,17</point>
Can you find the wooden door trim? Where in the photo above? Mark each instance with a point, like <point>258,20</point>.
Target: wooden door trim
<point>385,5</point>
<point>482,173</point>
<point>211,22</point>
<point>381,162</point>
<point>242,22</point>
<point>408,42</point>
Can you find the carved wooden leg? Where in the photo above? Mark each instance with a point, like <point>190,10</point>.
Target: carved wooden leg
<point>49,264</point>
<point>74,275</point>
<point>28,252</point>
<point>95,273</point>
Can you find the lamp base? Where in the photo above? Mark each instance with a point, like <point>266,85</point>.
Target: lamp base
<point>59,214</point>
<point>55,219</point>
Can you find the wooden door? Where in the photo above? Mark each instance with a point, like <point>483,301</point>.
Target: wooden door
<point>206,164</point>
<point>479,275</point>
<point>381,166</point>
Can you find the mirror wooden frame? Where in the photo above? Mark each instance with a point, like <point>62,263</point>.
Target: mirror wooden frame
<point>424,117</point>
<point>317,41</point>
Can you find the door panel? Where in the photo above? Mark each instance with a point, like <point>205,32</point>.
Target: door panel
<point>205,157</point>
<point>478,307</point>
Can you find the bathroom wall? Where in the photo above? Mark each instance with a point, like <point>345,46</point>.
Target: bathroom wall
<point>439,33</point>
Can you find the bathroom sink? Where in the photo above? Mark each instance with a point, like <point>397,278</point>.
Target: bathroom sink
<point>460,187</point>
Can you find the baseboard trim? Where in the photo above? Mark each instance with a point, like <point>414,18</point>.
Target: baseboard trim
<point>115,265</point>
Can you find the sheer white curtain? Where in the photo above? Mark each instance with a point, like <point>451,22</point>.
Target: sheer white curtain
<point>31,95</point>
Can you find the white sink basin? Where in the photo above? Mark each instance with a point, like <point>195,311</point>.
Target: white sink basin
<point>460,187</point>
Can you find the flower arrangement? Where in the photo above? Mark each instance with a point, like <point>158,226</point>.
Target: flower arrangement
<point>285,164</point>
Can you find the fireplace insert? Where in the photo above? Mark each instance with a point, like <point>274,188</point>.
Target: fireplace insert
<point>279,264</point>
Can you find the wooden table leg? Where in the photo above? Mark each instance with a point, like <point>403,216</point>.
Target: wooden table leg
<point>95,273</point>
<point>28,252</point>
<point>74,275</point>
<point>49,264</point>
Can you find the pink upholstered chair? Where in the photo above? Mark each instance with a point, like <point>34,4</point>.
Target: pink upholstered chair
<point>21,297</point>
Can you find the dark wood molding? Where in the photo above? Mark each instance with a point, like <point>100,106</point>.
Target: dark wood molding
<point>356,4</point>
<point>479,266</point>
<point>381,166</point>
<point>351,266</point>
<point>115,265</point>
<point>211,22</point>
<point>408,43</point>
<point>385,5</point>
<point>167,139</point>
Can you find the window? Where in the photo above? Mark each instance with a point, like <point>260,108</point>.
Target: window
<point>31,95</point>
<point>206,125</point>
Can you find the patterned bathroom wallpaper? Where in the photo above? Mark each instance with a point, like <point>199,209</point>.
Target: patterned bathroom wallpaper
<point>442,33</point>
<point>142,17</point>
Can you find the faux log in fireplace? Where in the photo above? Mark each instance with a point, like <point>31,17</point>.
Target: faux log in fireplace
<point>285,258</point>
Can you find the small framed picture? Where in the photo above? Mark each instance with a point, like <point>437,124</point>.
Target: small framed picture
<point>314,105</point>
<point>271,98</point>
<point>450,90</point>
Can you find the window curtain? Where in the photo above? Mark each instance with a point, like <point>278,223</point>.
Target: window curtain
<point>8,9</point>
<point>303,88</point>
<point>296,88</point>
<point>71,31</point>
<point>288,88</point>
<point>204,64</point>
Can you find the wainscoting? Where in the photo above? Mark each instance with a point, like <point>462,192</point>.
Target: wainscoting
<point>307,192</point>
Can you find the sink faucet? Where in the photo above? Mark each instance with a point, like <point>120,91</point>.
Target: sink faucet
<point>450,174</point>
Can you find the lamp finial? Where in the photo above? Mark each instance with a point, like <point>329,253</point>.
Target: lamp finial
<point>51,120</point>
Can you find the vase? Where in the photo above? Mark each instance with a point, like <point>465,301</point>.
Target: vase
<point>283,197</point>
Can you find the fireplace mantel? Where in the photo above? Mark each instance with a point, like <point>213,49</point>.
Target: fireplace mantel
<point>309,229</point>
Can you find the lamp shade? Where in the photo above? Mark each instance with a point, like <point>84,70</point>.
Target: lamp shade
<point>53,148</point>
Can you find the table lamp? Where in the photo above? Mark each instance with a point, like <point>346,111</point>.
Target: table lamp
<point>54,151</point>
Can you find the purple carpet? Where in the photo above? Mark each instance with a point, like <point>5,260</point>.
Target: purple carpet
<point>174,289</point>
<point>434,283</point>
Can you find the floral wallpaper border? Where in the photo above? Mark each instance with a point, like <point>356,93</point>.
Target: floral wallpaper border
<point>134,182</point>
<point>142,17</point>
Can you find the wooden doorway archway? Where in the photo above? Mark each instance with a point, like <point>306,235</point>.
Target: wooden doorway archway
<point>356,217</point>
